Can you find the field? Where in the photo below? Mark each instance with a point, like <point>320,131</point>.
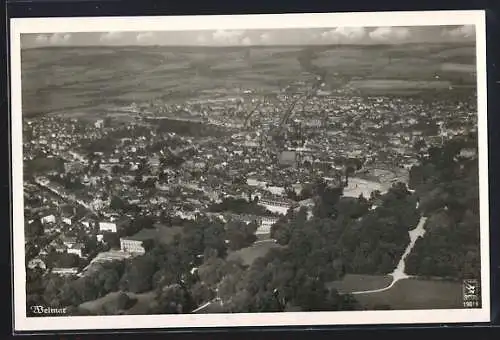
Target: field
<point>417,294</point>
<point>405,294</point>
<point>76,80</point>
<point>358,186</point>
<point>250,254</point>
<point>166,234</point>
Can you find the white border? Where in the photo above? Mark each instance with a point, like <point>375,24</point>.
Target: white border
<point>104,24</point>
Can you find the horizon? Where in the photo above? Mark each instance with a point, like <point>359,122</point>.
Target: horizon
<point>463,43</point>
<point>389,35</point>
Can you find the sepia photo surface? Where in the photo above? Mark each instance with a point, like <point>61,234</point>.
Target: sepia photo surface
<point>258,170</point>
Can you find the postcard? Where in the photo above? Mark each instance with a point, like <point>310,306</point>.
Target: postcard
<point>249,170</point>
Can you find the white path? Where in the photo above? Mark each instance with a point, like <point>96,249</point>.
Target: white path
<point>205,305</point>
<point>399,272</point>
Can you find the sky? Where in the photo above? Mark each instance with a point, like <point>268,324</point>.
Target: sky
<point>275,37</point>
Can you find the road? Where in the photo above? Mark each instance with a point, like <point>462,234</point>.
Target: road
<point>399,272</point>
<point>63,195</point>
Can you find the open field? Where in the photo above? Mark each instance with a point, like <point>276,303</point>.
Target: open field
<point>359,186</point>
<point>417,294</point>
<point>166,234</point>
<point>405,294</point>
<point>90,80</point>
<point>250,254</point>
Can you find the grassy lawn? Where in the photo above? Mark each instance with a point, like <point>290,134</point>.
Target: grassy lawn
<point>141,307</point>
<point>354,282</point>
<point>249,254</point>
<point>417,294</point>
<point>166,234</point>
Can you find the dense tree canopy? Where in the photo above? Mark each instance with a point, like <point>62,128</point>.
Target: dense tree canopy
<point>447,185</point>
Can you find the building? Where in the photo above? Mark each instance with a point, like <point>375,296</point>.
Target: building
<point>288,158</point>
<point>276,205</point>
<point>99,124</point>
<point>67,220</point>
<point>36,263</point>
<point>131,246</point>
<point>65,271</point>
<point>265,225</point>
<point>111,255</point>
<point>76,249</point>
<point>313,123</point>
<point>107,226</point>
<point>68,241</point>
<point>48,219</point>
<point>135,244</point>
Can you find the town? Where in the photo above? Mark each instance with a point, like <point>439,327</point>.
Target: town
<point>100,190</point>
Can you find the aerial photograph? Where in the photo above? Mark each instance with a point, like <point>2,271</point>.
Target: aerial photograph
<point>250,171</point>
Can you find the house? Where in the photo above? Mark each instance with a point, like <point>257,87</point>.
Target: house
<point>68,241</point>
<point>67,220</point>
<point>76,249</point>
<point>48,219</point>
<point>99,124</point>
<point>36,263</point>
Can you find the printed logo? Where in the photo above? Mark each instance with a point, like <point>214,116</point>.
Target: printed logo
<point>471,294</point>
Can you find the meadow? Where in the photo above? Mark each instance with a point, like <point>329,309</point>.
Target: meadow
<point>249,254</point>
<point>407,294</point>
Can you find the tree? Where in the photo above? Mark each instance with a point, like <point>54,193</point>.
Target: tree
<point>174,299</point>
<point>201,293</point>
<point>214,238</point>
<point>212,271</point>
<point>34,228</point>
<point>240,234</point>
<point>117,203</point>
<point>112,239</point>
<point>138,275</point>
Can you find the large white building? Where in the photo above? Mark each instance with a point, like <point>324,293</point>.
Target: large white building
<point>275,205</point>
<point>107,226</point>
<point>135,244</point>
<point>131,246</point>
<point>265,225</point>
